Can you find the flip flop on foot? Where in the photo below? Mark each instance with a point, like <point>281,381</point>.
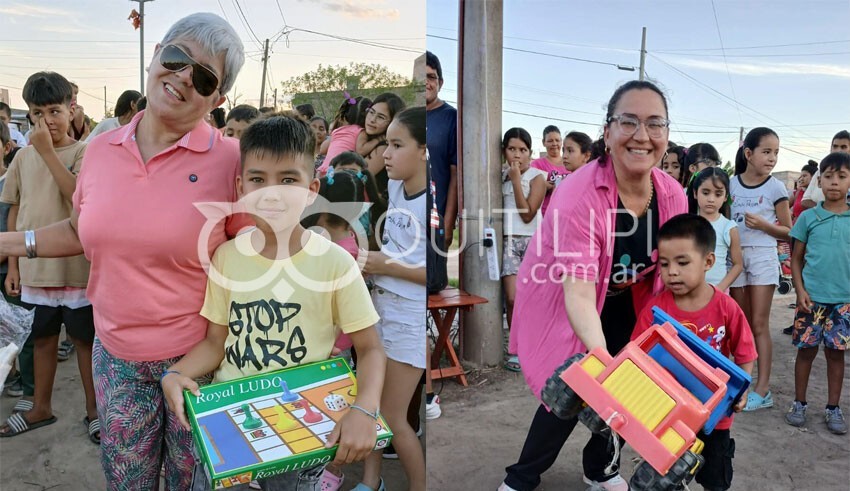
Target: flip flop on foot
<point>512,363</point>
<point>22,406</point>
<point>16,424</point>
<point>93,427</point>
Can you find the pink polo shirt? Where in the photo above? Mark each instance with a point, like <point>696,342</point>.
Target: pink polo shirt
<point>140,229</point>
<point>575,239</point>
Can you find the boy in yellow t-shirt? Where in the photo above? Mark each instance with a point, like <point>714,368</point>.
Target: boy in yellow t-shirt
<point>277,295</point>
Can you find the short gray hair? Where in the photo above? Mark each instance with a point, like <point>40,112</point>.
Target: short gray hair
<point>215,36</point>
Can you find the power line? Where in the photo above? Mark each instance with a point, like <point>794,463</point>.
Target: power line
<point>755,47</point>
<point>722,95</point>
<point>222,11</point>
<point>773,55</point>
<point>508,48</point>
<point>247,25</point>
<point>728,74</point>
<point>281,13</point>
<point>353,40</point>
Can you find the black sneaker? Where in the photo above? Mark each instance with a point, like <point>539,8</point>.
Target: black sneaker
<point>390,453</point>
<point>788,330</point>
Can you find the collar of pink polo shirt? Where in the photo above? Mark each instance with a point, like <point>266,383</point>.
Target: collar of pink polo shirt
<point>200,139</point>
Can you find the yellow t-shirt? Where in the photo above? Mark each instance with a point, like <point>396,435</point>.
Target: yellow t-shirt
<point>283,313</point>
<point>30,185</point>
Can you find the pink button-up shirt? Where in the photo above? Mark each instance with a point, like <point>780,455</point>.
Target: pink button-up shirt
<point>141,230</point>
<point>575,239</point>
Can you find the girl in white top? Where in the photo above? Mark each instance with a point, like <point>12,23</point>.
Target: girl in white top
<point>760,207</point>
<point>398,271</point>
<point>523,191</point>
<point>710,201</point>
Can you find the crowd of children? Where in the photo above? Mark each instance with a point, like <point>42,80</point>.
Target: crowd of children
<point>321,199</point>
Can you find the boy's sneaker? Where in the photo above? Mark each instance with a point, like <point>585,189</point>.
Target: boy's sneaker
<point>796,415</point>
<point>65,349</point>
<point>616,483</point>
<point>432,407</point>
<point>835,421</point>
<point>14,388</point>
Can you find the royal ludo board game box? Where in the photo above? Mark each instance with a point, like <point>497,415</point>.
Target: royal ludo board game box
<point>273,423</point>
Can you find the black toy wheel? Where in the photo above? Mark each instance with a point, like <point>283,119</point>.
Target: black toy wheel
<point>558,396</point>
<point>645,478</point>
<point>784,287</point>
<point>593,421</point>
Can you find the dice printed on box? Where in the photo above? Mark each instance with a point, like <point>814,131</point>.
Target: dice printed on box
<point>335,402</point>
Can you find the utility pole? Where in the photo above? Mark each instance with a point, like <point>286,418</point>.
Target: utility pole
<point>274,102</point>
<point>104,102</point>
<point>142,44</point>
<point>642,54</point>
<point>265,67</point>
<point>741,136</point>
<point>480,104</point>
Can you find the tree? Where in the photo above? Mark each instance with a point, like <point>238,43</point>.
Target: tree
<point>324,86</point>
<point>727,168</point>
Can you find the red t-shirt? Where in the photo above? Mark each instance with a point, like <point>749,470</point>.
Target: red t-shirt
<point>721,324</point>
<point>798,209</point>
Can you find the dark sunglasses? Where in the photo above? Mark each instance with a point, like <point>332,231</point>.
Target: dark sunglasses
<point>174,59</point>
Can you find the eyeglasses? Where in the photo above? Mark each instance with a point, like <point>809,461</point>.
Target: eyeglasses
<point>174,59</point>
<point>432,77</point>
<point>629,125</point>
<point>380,117</point>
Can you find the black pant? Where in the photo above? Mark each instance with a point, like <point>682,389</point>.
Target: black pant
<point>546,437</point>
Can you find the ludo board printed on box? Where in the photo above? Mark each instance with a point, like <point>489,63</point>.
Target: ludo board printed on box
<point>273,423</point>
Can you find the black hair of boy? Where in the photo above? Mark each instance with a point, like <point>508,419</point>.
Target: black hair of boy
<point>349,158</point>
<point>243,113</point>
<point>47,89</point>
<point>835,161</point>
<point>279,137</point>
<point>5,136</point>
<point>692,227</point>
<point>842,135</point>
<point>217,116</point>
<point>306,110</point>
<point>6,109</point>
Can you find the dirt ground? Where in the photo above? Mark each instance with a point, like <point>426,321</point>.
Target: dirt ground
<point>483,427</point>
<point>60,456</point>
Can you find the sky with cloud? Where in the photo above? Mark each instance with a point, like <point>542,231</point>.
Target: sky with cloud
<point>93,43</point>
<point>723,64</point>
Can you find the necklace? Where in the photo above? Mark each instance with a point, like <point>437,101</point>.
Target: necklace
<point>651,194</point>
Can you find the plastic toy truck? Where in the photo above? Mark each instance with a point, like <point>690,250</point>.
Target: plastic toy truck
<point>656,393</point>
<point>738,382</point>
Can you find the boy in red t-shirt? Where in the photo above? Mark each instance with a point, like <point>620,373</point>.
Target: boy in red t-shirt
<point>685,252</point>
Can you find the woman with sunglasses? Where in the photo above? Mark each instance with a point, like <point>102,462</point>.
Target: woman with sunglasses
<point>589,269</point>
<point>135,219</point>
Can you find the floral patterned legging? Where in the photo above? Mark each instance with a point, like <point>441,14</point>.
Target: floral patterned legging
<point>138,431</point>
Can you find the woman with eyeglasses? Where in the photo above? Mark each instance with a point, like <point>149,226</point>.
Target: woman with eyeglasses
<point>378,119</point>
<point>135,218</point>
<point>589,269</point>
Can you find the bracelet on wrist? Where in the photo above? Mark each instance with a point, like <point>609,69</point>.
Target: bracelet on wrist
<point>364,411</point>
<point>29,243</point>
<point>166,373</point>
